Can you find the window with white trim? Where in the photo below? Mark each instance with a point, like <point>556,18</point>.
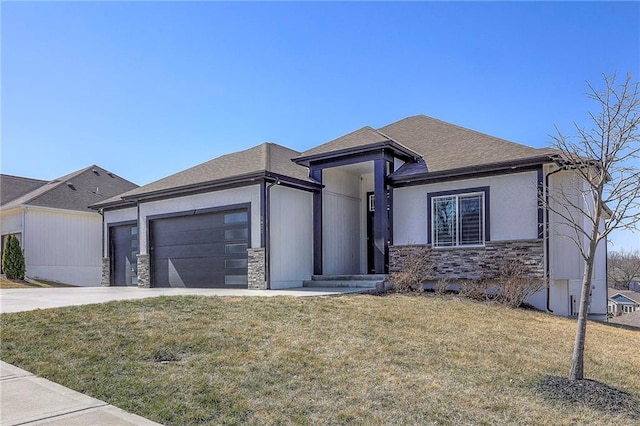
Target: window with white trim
<point>458,220</point>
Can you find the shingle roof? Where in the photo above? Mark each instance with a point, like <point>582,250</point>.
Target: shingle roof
<point>442,146</point>
<point>267,157</point>
<point>75,191</point>
<point>358,138</point>
<point>12,187</point>
<point>634,297</point>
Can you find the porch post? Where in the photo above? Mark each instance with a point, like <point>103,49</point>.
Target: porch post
<point>317,222</point>
<point>380,216</point>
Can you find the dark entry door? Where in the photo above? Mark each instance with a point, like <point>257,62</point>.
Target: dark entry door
<point>200,250</point>
<point>123,250</point>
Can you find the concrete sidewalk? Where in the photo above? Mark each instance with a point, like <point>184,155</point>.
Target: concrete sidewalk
<point>28,299</point>
<point>26,399</point>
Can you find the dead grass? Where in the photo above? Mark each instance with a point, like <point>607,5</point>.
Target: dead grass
<point>346,360</point>
<point>30,283</point>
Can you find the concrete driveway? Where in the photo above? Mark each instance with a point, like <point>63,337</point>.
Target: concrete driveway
<point>28,299</point>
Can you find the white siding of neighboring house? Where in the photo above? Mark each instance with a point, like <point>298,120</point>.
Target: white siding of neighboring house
<point>223,198</point>
<point>11,222</point>
<point>291,237</point>
<point>341,206</point>
<point>513,207</point>
<point>567,265</point>
<point>63,246</point>
<point>116,216</point>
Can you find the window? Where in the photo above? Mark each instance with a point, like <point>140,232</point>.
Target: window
<point>458,220</point>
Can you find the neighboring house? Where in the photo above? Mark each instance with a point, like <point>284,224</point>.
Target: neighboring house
<point>60,236</point>
<point>622,302</point>
<point>271,217</point>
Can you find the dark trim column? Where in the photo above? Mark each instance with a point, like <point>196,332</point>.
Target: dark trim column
<point>263,212</point>
<point>540,194</point>
<point>316,173</point>
<point>380,216</point>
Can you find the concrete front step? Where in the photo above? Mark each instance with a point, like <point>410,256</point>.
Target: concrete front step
<point>341,283</point>
<point>372,282</point>
<point>379,277</point>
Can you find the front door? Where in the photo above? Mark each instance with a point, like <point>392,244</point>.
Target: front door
<point>123,251</point>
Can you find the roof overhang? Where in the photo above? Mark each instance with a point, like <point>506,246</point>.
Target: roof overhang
<point>505,167</point>
<point>359,152</point>
<point>217,185</point>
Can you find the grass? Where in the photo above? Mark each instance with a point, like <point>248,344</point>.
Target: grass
<point>341,360</point>
<point>31,283</point>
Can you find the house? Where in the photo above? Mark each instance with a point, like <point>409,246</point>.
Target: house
<point>622,302</point>
<point>271,217</point>
<point>60,235</point>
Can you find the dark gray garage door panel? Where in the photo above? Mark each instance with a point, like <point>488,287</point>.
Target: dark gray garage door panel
<point>203,250</point>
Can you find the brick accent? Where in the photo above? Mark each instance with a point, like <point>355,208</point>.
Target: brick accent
<point>473,262</point>
<point>256,269</point>
<point>144,271</point>
<point>106,272</point>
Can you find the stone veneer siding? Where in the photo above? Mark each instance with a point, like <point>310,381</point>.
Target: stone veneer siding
<point>256,269</point>
<point>106,272</point>
<point>470,263</point>
<point>144,271</point>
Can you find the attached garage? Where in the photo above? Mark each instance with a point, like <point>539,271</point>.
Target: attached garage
<point>202,248</point>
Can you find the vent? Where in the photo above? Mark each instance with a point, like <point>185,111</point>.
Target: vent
<point>110,174</point>
<point>70,185</point>
<point>96,172</point>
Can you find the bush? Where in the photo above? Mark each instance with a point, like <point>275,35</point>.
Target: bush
<point>509,286</point>
<point>514,286</point>
<point>481,289</point>
<point>416,269</point>
<point>13,259</point>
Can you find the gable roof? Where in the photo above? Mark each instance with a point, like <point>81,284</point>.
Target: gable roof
<point>440,146</point>
<point>12,187</point>
<point>621,298</point>
<point>255,162</point>
<point>75,191</point>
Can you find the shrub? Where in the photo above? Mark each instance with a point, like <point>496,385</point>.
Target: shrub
<point>510,285</point>
<point>13,259</point>
<point>416,269</point>
<point>442,285</point>
<point>482,289</point>
<point>514,285</point>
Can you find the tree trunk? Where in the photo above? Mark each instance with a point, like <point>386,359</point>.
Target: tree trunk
<point>577,361</point>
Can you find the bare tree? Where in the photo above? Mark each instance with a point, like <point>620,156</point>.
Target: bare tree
<point>624,267</point>
<point>604,193</point>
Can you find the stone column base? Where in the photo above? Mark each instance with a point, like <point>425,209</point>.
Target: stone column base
<point>106,272</point>
<point>144,271</point>
<point>256,269</point>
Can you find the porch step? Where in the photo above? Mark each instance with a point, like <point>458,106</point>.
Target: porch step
<point>370,282</point>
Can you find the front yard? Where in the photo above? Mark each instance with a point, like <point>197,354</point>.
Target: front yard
<point>339,360</point>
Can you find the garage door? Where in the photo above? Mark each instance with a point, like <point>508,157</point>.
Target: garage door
<point>200,250</point>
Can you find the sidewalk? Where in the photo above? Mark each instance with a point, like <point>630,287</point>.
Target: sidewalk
<point>26,399</point>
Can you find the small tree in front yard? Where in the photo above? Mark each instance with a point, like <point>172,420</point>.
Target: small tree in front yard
<point>604,193</point>
<point>13,259</point>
